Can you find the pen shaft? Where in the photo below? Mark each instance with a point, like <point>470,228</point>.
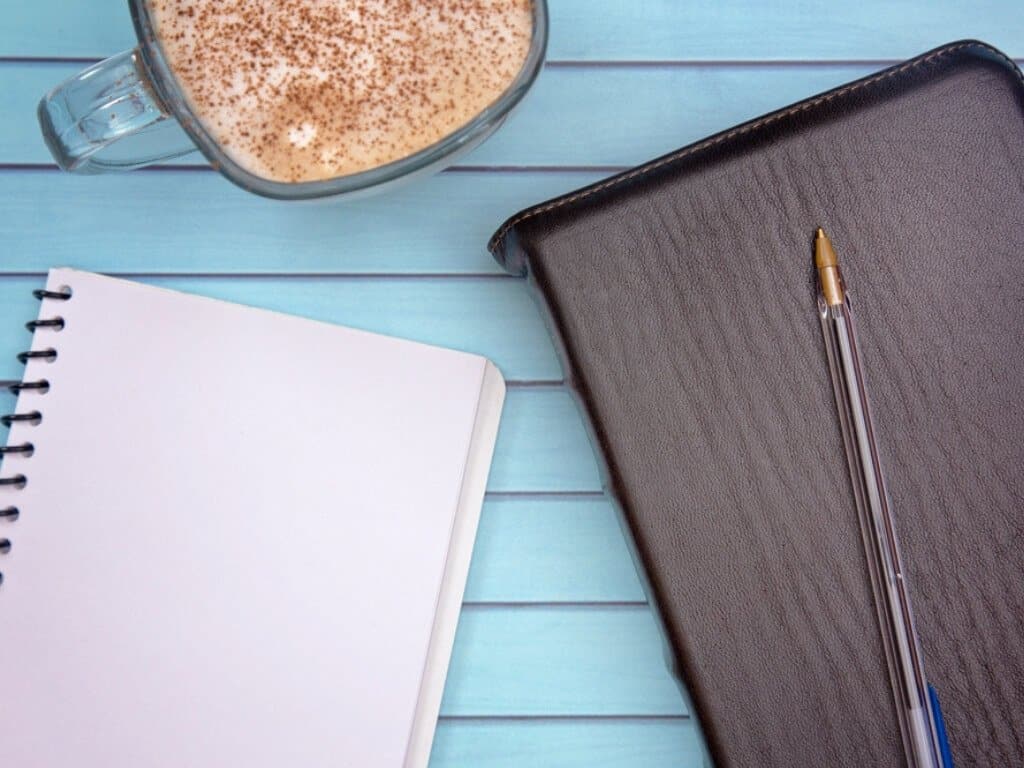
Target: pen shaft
<point>879,535</point>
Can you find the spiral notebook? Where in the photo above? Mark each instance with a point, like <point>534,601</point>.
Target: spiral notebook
<point>236,538</point>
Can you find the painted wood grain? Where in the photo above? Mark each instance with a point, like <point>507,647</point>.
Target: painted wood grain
<point>551,550</point>
<point>755,30</point>
<point>668,108</point>
<point>614,30</point>
<point>605,661</point>
<point>496,317</point>
<point>567,744</point>
<point>542,446</point>
<point>196,222</point>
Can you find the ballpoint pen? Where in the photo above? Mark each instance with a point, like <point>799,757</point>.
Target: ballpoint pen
<point>920,721</point>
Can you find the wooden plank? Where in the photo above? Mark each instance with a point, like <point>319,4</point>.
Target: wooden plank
<point>668,108</point>
<point>551,550</point>
<point>574,744</point>
<point>496,316</point>
<point>548,550</point>
<point>559,660</point>
<point>575,117</point>
<point>534,549</point>
<point>754,30</point>
<point>196,222</point>
<point>542,446</point>
<point>610,30</point>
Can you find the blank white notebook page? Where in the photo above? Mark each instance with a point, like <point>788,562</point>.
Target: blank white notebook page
<point>243,540</point>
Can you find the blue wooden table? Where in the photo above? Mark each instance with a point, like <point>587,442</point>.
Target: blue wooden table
<point>557,661</point>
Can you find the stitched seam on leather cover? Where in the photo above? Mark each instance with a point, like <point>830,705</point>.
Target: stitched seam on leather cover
<point>496,241</point>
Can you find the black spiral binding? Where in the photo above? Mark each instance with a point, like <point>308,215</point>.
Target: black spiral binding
<point>41,387</point>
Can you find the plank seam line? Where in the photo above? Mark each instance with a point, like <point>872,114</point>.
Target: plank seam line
<point>582,63</point>
<point>336,276</point>
<point>723,63</point>
<point>206,169</point>
<point>563,718</point>
<point>539,496</point>
<point>520,385</point>
<point>535,384</point>
<point>631,606</point>
<point>501,604</point>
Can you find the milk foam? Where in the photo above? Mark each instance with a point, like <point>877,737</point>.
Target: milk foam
<point>301,90</point>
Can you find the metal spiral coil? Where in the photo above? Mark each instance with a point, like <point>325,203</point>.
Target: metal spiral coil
<point>41,387</point>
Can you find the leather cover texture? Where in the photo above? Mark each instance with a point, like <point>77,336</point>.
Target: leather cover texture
<point>682,296</point>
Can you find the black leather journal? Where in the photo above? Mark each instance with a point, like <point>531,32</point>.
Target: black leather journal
<point>682,296</point>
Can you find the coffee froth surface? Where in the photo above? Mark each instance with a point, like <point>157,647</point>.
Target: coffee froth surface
<point>304,90</point>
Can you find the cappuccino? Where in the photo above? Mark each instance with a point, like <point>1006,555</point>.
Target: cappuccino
<point>305,90</point>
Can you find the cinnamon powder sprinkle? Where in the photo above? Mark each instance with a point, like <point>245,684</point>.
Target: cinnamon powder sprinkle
<point>303,90</point>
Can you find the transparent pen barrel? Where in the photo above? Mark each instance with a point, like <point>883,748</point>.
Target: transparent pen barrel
<point>881,548</point>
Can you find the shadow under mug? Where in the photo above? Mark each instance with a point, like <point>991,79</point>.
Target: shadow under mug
<point>129,111</point>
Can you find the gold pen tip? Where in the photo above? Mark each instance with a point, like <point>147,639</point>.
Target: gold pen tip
<point>824,255</point>
<point>828,269</point>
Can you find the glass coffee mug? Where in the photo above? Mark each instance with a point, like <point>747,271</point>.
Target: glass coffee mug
<point>129,111</point>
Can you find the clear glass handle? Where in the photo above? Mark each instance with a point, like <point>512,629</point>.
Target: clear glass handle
<point>108,118</point>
